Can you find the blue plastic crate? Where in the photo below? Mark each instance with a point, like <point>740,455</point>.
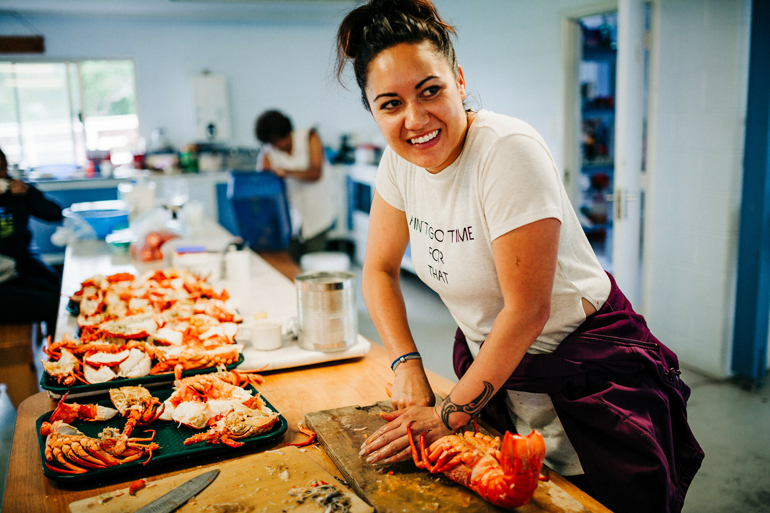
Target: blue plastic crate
<point>261,209</point>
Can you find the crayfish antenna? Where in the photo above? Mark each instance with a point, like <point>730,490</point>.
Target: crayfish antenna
<point>416,457</point>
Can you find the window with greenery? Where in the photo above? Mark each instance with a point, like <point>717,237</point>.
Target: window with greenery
<point>60,113</point>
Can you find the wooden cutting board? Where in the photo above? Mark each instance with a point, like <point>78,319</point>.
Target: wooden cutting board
<point>402,487</point>
<point>255,483</point>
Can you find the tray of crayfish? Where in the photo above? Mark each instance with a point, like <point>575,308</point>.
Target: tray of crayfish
<point>139,329</point>
<point>153,380</point>
<point>134,428</point>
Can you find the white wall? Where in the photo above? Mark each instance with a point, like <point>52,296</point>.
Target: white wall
<point>511,55</point>
<point>697,139</point>
<point>289,65</point>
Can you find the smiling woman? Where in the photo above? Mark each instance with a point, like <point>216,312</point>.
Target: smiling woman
<point>419,110</point>
<point>492,231</point>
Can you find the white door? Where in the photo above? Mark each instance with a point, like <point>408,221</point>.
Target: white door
<point>629,123</point>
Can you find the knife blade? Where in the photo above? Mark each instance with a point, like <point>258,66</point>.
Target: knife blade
<point>181,494</point>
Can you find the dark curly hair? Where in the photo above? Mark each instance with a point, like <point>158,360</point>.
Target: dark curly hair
<point>271,126</point>
<point>378,25</point>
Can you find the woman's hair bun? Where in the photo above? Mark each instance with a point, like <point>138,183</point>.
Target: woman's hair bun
<point>374,12</point>
<point>380,24</point>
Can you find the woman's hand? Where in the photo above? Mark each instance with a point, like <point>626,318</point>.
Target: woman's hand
<point>411,387</point>
<point>17,187</point>
<point>390,443</point>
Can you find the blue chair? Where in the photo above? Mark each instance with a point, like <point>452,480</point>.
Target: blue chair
<point>261,209</point>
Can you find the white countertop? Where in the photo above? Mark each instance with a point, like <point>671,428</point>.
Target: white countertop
<point>267,290</point>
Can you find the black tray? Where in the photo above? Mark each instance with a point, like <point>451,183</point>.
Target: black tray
<point>47,383</point>
<point>73,308</point>
<point>169,435</point>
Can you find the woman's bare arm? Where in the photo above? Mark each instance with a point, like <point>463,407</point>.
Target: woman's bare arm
<point>312,173</point>
<point>386,242</point>
<point>525,260</point>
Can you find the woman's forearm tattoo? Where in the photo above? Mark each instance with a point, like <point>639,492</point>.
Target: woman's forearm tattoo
<point>472,408</point>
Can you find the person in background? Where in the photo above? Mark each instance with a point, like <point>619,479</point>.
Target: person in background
<point>546,339</point>
<point>298,156</point>
<point>29,289</point>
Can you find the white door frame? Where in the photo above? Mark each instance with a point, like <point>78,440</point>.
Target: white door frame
<point>629,125</point>
<point>570,44</point>
<point>629,115</point>
<point>648,179</point>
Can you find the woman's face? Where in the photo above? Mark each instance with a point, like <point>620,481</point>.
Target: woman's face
<point>417,103</point>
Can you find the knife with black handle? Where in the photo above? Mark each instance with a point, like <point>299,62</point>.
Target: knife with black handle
<point>181,494</point>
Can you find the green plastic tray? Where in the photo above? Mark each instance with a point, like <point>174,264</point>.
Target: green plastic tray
<point>169,435</point>
<point>46,383</point>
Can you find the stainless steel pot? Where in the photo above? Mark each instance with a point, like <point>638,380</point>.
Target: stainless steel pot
<point>327,313</point>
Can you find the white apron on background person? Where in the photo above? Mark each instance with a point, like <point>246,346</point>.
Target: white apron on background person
<point>312,204</point>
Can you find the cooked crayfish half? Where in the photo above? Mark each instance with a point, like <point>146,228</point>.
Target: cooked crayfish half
<point>234,377</point>
<point>196,358</point>
<point>130,327</point>
<point>68,412</point>
<point>137,405</point>
<point>507,475</point>
<point>66,370</point>
<point>75,453</point>
<point>200,400</point>
<point>72,360</point>
<point>242,422</point>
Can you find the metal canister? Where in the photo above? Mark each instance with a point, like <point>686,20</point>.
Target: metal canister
<point>327,313</point>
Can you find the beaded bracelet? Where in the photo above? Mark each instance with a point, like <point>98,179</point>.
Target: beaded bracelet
<point>404,357</point>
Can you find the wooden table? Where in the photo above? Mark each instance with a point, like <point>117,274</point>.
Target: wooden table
<point>293,392</point>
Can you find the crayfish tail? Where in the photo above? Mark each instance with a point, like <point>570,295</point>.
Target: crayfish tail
<point>521,459</point>
<point>522,454</point>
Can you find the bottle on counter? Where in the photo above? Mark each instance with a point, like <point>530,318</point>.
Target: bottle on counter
<point>188,158</point>
<point>105,168</point>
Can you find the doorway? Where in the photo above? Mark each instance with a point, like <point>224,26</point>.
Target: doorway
<point>605,56</point>
<point>597,69</point>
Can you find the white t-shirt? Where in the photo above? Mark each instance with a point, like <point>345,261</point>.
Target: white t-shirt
<point>312,203</point>
<point>504,178</point>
